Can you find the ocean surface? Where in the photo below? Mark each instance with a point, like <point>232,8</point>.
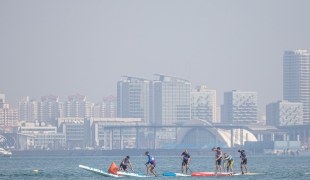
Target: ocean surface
<point>269,167</point>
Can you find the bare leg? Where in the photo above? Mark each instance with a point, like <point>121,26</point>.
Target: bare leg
<point>148,171</point>
<point>220,169</point>
<point>152,170</point>
<point>186,168</point>
<point>182,169</point>
<point>246,168</point>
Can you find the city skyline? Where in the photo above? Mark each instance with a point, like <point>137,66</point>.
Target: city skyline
<point>57,48</point>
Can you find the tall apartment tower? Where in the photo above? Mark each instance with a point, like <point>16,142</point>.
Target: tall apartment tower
<point>134,98</point>
<point>2,100</point>
<point>28,110</point>
<point>296,79</point>
<point>106,109</point>
<point>49,109</point>
<point>171,100</point>
<point>284,113</point>
<point>77,107</point>
<point>239,107</point>
<point>8,117</point>
<point>203,104</point>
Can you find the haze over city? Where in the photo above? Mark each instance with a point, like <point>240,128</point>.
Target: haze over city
<point>69,47</point>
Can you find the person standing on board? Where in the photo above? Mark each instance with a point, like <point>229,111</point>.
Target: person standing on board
<point>230,161</point>
<point>186,159</point>
<point>244,161</point>
<point>151,161</point>
<point>124,165</point>
<point>218,159</point>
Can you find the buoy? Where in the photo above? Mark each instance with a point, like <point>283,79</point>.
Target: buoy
<point>35,170</point>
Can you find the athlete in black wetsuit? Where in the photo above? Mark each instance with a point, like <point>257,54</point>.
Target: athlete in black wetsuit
<point>218,159</point>
<point>186,159</point>
<point>244,161</point>
<point>125,163</point>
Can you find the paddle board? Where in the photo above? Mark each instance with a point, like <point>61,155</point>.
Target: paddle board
<point>250,173</point>
<point>213,174</point>
<point>120,173</point>
<point>174,174</point>
<point>98,171</point>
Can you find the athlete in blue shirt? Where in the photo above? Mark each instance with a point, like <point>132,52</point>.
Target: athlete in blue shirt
<point>186,159</point>
<point>151,161</point>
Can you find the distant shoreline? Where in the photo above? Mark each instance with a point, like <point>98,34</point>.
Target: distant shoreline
<point>117,152</point>
<point>131,152</point>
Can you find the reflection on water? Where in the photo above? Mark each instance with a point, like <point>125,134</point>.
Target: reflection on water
<point>270,167</point>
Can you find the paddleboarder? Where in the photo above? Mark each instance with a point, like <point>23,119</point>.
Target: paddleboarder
<point>218,159</point>
<point>244,161</point>
<point>186,159</point>
<point>124,165</point>
<point>230,161</point>
<point>151,161</point>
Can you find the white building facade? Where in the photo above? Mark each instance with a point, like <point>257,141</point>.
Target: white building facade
<point>284,113</point>
<point>239,107</point>
<point>203,104</point>
<point>77,107</point>
<point>49,109</point>
<point>28,110</point>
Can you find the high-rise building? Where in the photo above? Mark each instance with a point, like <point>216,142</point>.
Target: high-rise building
<point>284,113</point>
<point>49,109</point>
<point>203,104</point>
<point>77,107</point>
<point>171,100</point>
<point>239,107</point>
<point>28,110</point>
<point>8,117</point>
<point>106,108</point>
<point>2,98</point>
<point>134,98</point>
<point>296,79</point>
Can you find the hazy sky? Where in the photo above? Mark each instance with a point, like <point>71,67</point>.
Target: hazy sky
<point>68,47</point>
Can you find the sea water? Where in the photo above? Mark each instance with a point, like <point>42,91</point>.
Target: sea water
<point>66,167</point>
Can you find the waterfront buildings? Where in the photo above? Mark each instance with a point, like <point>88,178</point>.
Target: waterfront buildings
<point>2,100</point>
<point>106,109</point>
<point>239,107</point>
<point>171,100</point>
<point>135,98</point>
<point>8,117</point>
<point>296,79</point>
<point>203,104</point>
<point>49,109</point>
<point>77,107</point>
<point>28,110</point>
<point>284,113</point>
